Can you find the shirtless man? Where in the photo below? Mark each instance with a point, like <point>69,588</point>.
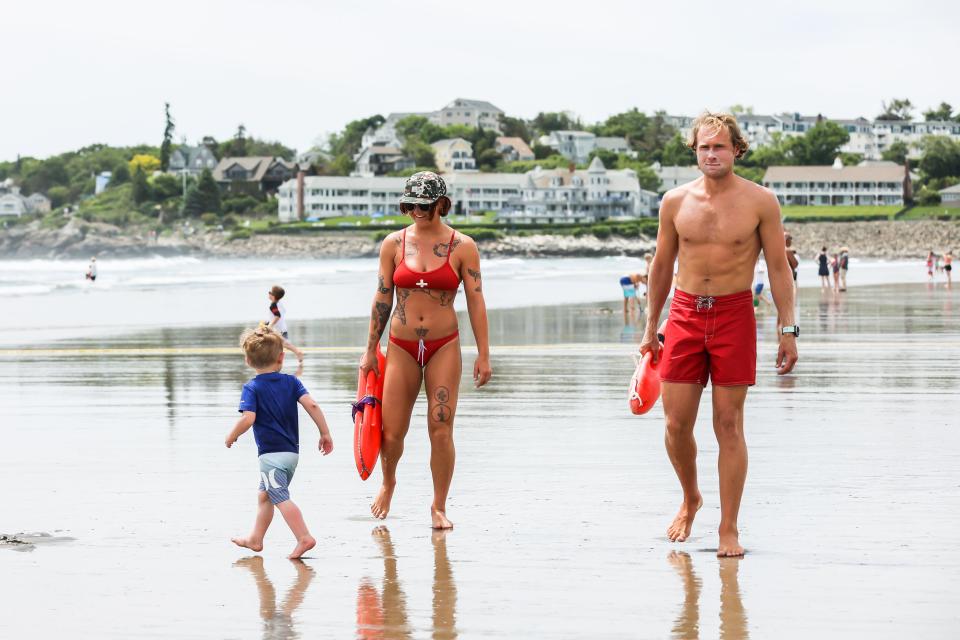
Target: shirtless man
<point>717,226</point>
<point>791,258</point>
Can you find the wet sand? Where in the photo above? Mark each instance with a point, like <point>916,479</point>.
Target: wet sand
<point>560,499</point>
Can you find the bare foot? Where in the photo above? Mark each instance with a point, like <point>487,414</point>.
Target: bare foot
<point>440,519</point>
<point>304,544</point>
<point>679,529</point>
<point>381,506</point>
<point>729,546</point>
<point>248,543</point>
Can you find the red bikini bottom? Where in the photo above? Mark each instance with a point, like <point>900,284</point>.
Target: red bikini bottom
<point>422,350</point>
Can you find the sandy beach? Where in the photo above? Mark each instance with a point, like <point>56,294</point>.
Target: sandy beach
<point>113,447</point>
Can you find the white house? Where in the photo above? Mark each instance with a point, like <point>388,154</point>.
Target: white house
<point>12,204</point>
<point>378,160</point>
<point>616,144</point>
<point>870,183</point>
<point>561,195</point>
<point>453,154</point>
<point>191,160</point>
<point>575,146</point>
<point>673,176</point>
<point>950,197</point>
<point>478,114</point>
<point>538,195</point>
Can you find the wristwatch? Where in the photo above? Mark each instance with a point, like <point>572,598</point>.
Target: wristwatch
<point>794,329</point>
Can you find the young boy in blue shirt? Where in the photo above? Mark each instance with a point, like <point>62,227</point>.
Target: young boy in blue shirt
<point>269,404</point>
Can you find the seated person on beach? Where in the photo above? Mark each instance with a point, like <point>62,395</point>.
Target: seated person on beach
<point>278,319</point>
<point>269,405</point>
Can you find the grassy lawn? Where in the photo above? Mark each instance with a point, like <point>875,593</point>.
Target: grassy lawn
<point>815,212</point>
<point>932,212</point>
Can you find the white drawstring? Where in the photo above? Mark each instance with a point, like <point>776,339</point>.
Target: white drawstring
<point>421,353</point>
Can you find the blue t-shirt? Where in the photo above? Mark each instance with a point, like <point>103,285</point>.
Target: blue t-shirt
<point>273,397</point>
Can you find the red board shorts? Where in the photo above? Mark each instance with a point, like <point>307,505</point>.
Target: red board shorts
<point>712,338</point>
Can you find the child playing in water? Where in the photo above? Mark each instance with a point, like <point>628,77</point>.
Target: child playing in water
<point>269,404</point>
<point>278,319</point>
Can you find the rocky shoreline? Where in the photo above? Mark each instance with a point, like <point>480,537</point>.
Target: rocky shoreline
<point>77,239</point>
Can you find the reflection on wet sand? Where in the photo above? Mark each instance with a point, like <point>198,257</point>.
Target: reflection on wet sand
<point>382,615</point>
<point>277,623</point>
<point>733,617</point>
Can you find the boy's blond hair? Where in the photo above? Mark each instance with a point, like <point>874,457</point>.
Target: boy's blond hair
<point>711,123</point>
<point>262,346</point>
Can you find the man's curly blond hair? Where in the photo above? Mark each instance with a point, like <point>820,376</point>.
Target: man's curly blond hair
<point>711,123</point>
<point>262,346</point>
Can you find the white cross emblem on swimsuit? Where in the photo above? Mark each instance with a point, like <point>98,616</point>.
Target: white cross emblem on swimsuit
<point>421,284</point>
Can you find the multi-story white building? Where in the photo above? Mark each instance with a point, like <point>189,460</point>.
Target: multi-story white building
<point>870,183</point>
<point>869,138</point>
<point>548,196</point>
<point>575,146</point>
<point>478,114</point>
<point>453,154</point>
<point>561,195</point>
<point>12,203</point>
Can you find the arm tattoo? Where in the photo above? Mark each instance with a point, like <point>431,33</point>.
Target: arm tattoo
<point>379,316</point>
<point>476,279</point>
<point>401,312</point>
<point>380,287</point>
<point>443,249</point>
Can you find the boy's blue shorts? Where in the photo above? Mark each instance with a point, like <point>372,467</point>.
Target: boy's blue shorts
<point>276,474</point>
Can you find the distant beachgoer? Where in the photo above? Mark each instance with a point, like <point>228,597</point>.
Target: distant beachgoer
<point>937,262</point>
<point>278,319</point>
<point>791,257</point>
<point>759,278</point>
<point>948,266</point>
<point>824,271</point>
<point>844,265</point>
<point>91,274</point>
<point>835,269</point>
<point>628,283</point>
<point>644,279</point>
<point>268,403</point>
<point>930,265</point>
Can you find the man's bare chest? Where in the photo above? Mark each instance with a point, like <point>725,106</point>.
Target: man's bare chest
<point>721,223</point>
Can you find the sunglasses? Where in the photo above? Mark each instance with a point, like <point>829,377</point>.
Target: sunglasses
<point>408,207</point>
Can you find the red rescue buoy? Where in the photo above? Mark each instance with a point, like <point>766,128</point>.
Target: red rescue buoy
<point>644,385</point>
<point>368,418</point>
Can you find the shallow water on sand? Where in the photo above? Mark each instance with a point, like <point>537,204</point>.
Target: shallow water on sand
<point>560,499</point>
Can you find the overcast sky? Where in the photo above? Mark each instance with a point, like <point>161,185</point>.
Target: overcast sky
<point>75,73</point>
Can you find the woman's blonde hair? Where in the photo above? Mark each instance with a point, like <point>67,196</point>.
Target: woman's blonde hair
<point>711,123</point>
<point>262,346</point>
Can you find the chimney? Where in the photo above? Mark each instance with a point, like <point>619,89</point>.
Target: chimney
<point>299,193</point>
<point>572,166</point>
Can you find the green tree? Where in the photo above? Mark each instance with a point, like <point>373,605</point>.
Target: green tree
<point>347,142</point>
<point>738,109</point>
<point>166,186</point>
<point>676,153</point>
<point>941,157</point>
<point>896,109</point>
<point>541,151</point>
<point>943,112</point>
<point>341,165</point>
<point>548,121</point>
<point>204,197</point>
<point>120,174</point>
<point>820,145</point>
<point>850,159</point>
<point>514,128</point>
<point>896,152</point>
<point>166,147</point>
<point>237,146</point>
<point>419,128</point>
<point>141,189</point>
<point>420,151</point>
<point>646,135</point>
<point>59,196</point>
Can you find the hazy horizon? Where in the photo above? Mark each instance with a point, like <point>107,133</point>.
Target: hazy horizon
<point>100,72</point>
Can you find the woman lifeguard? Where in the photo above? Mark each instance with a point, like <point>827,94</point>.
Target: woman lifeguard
<point>425,263</point>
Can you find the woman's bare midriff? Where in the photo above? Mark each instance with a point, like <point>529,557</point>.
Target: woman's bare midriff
<point>423,314</point>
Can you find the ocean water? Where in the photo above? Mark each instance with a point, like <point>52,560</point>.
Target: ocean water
<point>53,301</point>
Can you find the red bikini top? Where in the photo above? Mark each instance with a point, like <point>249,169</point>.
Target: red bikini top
<point>443,278</point>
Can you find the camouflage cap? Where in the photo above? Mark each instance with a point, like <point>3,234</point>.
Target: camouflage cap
<point>424,187</point>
